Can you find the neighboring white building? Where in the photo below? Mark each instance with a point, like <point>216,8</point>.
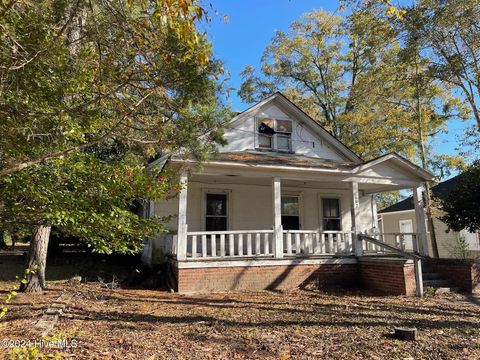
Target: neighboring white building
<point>400,218</point>
<point>283,192</point>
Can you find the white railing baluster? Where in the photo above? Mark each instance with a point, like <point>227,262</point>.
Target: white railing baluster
<point>266,244</point>
<point>240,244</point>
<point>194,246</point>
<point>297,243</point>
<point>322,244</point>
<point>257,244</point>
<point>331,249</point>
<point>289,243</point>
<point>316,245</point>
<point>231,245</point>
<point>204,246</point>
<point>249,244</point>
<point>222,245</point>
<point>213,245</point>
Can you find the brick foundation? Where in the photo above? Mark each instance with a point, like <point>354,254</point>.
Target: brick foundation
<point>392,276</point>
<point>464,274</point>
<point>387,275</point>
<point>271,277</point>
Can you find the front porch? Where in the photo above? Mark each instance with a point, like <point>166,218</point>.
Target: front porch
<point>269,221</point>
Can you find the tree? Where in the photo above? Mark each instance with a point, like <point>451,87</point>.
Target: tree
<point>83,79</point>
<point>88,197</point>
<point>76,73</point>
<point>450,31</point>
<point>356,78</point>
<point>461,205</point>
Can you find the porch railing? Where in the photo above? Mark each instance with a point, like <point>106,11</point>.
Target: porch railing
<point>230,244</point>
<point>261,243</point>
<point>406,242</point>
<point>306,242</point>
<point>296,243</point>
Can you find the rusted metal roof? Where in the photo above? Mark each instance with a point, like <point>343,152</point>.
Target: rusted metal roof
<point>280,159</point>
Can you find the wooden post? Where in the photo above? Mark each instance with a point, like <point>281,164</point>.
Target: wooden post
<point>357,243</point>
<point>277,218</point>
<point>418,276</point>
<point>182,218</point>
<point>421,224</point>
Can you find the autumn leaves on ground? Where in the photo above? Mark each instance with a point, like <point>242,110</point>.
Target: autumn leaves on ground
<point>152,324</point>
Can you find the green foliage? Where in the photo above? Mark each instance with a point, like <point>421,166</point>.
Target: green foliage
<point>449,32</point>
<point>30,353</point>
<point>91,91</point>
<point>79,73</point>
<point>87,198</point>
<point>461,248</point>
<point>429,291</point>
<point>12,292</point>
<point>358,79</point>
<point>461,205</point>
<point>387,199</point>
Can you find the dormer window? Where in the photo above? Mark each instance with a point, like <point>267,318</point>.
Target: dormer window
<point>275,134</point>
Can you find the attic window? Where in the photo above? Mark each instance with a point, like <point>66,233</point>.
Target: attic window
<point>275,134</point>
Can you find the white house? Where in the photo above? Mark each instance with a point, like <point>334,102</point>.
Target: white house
<point>400,218</point>
<point>282,202</point>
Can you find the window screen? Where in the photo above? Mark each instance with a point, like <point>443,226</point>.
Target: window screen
<point>331,214</point>
<point>216,212</point>
<point>290,213</point>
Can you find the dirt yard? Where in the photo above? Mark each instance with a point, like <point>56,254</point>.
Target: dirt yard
<point>148,324</point>
<point>139,324</point>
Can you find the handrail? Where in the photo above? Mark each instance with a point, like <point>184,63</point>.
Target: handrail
<point>391,248</point>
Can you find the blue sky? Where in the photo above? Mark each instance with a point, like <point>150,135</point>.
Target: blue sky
<point>252,24</point>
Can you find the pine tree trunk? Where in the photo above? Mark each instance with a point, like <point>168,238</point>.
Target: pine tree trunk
<point>37,258</point>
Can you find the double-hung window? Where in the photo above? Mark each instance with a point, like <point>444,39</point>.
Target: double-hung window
<point>274,134</point>
<point>331,214</point>
<point>216,212</point>
<point>290,213</point>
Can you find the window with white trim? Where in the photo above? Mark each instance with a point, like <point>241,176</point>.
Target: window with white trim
<point>290,212</point>
<point>332,220</point>
<point>216,212</point>
<point>274,134</point>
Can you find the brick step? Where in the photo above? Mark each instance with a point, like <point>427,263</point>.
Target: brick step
<point>432,276</point>
<point>438,283</point>
<point>444,290</point>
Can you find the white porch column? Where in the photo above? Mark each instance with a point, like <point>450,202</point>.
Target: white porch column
<point>182,218</point>
<point>357,244</point>
<point>421,223</point>
<point>277,217</point>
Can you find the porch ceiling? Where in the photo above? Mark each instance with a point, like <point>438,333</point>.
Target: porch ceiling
<point>320,182</point>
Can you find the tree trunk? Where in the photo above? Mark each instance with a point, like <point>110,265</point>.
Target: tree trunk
<point>37,258</point>
<point>3,244</point>
<point>423,157</point>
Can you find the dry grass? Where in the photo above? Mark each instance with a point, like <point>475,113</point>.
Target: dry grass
<point>140,324</point>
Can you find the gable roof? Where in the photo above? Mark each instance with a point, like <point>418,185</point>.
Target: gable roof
<point>398,160</point>
<point>438,190</point>
<point>301,115</point>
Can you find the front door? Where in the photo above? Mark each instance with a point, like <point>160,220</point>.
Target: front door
<point>406,226</point>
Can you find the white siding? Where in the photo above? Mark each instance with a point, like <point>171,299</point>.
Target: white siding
<point>242,136</point>
<point>445,240</point>
<point>250,206</point>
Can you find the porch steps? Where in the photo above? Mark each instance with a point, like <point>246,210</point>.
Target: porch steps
<point>435,280</point>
